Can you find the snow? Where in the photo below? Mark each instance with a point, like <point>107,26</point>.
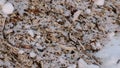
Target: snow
<point>72,66</point>
<point>31,32</point>
<point>33,54</point>
<point>110,35</point>
<point>2,2</point>
<point>88,11</point>
<point>67,13</point>
<point>99,2</point>
<point>83,64</point>
<point>1,63</point>
<point>7,8</point>
<point>98,45</point>
<point>110,54</point>
<point>21,51</point>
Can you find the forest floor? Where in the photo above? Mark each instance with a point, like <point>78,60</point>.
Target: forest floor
<point>60,34</point>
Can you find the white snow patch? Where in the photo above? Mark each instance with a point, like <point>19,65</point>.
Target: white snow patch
<point>88,11</point>
<point>98,45</point>
<point>83,64</point>
<point>2,2</point>
<point>72,66</point>
<point>20,51</point>
<point>61,60</point>
<point>31,32</point>
<point>111,35</point>
<point>1,63</point>
<point>7,8</point>
<point>32,54</point>
<point>99,2</point>
<point>67,13</point>
<point>110,54</point>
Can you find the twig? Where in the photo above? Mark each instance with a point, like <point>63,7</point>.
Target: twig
<point>3,33</point>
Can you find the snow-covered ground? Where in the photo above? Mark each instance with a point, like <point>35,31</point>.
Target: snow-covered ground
<point>59,34</point>
<point>110,54</point>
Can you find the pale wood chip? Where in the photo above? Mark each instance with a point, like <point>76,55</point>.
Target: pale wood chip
<point>67,48</point>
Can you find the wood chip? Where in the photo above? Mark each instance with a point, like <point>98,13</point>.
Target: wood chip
<point>67,48</point>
